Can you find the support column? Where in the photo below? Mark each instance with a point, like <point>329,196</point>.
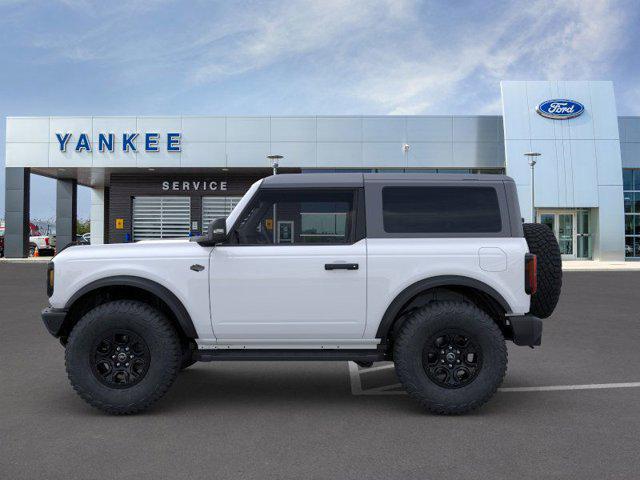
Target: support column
<point>609,232</point>
<point>106,215</point>
<point>17,190</point>
<point>97,216</point>
<point>66,212</point>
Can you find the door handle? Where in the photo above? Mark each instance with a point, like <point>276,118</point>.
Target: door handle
<point>341,266</point>
<point>197,267</point>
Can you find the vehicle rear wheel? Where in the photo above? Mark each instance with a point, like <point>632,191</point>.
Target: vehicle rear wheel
<point>122,356</point>
<point>450,356</point>
<point>542,243</point>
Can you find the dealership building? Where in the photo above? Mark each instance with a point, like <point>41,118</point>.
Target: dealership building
<point>168,176</point>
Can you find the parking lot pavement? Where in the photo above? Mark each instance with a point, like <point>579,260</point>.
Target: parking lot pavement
<point>301,420</point>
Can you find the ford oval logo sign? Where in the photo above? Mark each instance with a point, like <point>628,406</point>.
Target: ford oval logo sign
<point>560,109</point>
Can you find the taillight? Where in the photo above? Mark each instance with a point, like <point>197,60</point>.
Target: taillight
<point>530,273</point>
<point>46,241</point>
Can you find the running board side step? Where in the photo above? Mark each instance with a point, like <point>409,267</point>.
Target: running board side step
<point>355,355</point>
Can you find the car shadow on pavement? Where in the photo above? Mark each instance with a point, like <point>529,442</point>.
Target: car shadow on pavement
<point>297,385</point>
<point>275,387</point>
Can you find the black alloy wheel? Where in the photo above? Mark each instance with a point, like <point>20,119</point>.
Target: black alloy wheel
<point>120,359</point>
<point>452,359</point>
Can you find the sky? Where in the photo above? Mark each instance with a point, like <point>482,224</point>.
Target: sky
<point>147,57</point>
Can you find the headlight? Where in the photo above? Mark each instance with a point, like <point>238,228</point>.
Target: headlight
<point>50,278</point>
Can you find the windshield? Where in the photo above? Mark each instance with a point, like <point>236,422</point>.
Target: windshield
<point>235,213</point>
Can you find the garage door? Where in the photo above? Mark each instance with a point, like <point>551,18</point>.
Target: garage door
<point>161,217</point>
<point>213,207</point>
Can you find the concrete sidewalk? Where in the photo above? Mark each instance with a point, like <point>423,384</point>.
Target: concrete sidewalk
<point>595,266</point>
<point>26,260</point>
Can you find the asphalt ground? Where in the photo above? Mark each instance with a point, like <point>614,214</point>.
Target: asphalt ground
<point>302,420</point>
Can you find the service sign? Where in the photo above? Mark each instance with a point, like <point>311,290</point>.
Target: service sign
<point>149,141</point>
<point>560,109</point>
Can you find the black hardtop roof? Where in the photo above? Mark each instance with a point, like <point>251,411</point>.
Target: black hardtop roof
<point>337,180</point>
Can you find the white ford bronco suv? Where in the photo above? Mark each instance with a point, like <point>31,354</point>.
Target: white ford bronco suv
<point>432,272</point>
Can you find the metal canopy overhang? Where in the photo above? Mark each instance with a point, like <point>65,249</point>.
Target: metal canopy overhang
<point>96,177</point>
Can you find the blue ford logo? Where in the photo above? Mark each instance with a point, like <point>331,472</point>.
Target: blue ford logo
<point>560,109</point>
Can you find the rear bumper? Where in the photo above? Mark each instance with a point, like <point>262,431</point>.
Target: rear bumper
<point>527,330</point>
<point>53,319</point>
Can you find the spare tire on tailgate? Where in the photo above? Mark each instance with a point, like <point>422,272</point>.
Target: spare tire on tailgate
<point>543,244</point>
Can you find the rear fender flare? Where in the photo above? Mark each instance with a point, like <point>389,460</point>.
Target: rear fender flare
<point>386,324</point>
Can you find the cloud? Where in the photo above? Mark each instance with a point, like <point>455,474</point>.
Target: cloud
<point>294,30</point>
<point>390,56</point>
<point>540,40</point>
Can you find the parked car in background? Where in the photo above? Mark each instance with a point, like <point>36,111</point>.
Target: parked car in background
<point>84,239</point>
<point>45,244</point>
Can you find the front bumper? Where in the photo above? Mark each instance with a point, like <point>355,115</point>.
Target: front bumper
<point>53,319</point>
<point>527,330</point>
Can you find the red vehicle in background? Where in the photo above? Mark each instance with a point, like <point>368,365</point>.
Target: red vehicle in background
<point>44,243</point>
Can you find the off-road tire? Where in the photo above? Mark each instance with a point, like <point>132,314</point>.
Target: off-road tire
<point>149,324</point>
<point>420,327</point>
<point>542,242</point>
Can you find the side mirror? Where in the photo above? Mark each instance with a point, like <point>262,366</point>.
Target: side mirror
<point>218,230</point>
<point>217,233</point>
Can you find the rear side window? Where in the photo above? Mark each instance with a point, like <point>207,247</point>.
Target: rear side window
<point>441,209</point>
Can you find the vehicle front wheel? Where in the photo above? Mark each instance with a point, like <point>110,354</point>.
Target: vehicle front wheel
<point>450,356</point>
<point>123,356</point>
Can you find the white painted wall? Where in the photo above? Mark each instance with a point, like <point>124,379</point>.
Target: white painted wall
<point>97,216</point>
<point>580,166</point>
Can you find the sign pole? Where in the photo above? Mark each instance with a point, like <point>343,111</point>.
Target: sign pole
<point>532,163</point>
<point>274,163</point>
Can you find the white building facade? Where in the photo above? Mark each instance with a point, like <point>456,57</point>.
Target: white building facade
<point>155,177</point>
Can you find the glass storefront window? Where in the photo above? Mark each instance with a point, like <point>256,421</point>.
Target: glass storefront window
<point>629,224</point>
<point>631,181</point>
<point>585,245</point>
<point>628,202</point>
<point>627,179</point>
<point>572,228</point>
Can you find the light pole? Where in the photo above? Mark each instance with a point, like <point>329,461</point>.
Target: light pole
<point>531,156</point>
<point>274,159</point>
<point>405,151</point>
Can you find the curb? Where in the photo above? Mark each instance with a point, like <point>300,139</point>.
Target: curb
<point>26,260</point>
